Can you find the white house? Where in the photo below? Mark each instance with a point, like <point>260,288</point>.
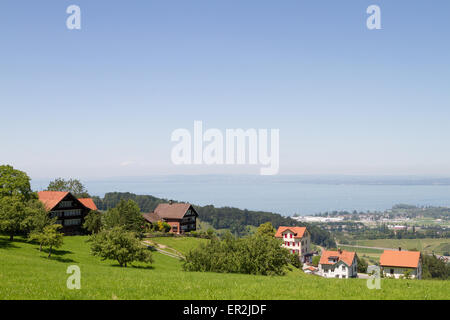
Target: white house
<point>338,264</point>
<point>396,263</point>
<point>297,240</point>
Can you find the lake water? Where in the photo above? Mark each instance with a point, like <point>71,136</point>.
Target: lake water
<point>285,195</point>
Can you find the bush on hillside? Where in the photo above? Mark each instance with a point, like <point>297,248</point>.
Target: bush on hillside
<point>258,254</point>
<point>120,245</point>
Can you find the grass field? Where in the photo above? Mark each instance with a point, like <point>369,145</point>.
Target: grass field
<point>438,246</point>
<point>182,245</point>
<point>25,273</point>
<point>371,255</point>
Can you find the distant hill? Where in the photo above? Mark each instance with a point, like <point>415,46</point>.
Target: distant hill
<point>230,218</point>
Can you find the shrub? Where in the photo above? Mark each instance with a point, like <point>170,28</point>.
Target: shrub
<point>257,254</point>
<point>120,245</point>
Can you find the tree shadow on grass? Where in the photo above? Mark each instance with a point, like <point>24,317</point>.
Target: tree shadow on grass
<point>133,267</point>
<point>58,255</point>
<point>6,244</point>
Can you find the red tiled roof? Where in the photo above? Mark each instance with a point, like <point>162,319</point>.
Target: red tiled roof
<point>88,203</point>
<point>298,231</point>
<point>172,211</point>
<point>51,198</point>
<point>346,256</point>
<point>406,259</point>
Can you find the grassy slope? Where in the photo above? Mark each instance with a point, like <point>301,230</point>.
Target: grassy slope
<point>425,245</point>
<point>182,245</point>
<point>27,274</point>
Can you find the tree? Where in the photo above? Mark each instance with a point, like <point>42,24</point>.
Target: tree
<point>362,265</point>
<point>74,186</point>
<point>37,216</point>
<point>13,216</point>
<point>127,215</point>
<point>257,254</point>
<point>15,183</point>
<point>93,222</point>
<point>315,261</point>
<point>49,237</point>
<point>120,245</point>
<point>266,229</point>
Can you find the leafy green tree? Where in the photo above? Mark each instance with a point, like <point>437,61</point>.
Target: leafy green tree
<point>315,261</point>
<point>127,215</point>
<point>13,216</point>
<point>258,254</point>
<point>74,186</point>
<point>434,268</point>
<point>266,229</point>
<point>362,265</point>
<point>49,237</point>
<point>15,183</point>
<point>120,245</point>
<point>93,222</point>
<point>38,217</point>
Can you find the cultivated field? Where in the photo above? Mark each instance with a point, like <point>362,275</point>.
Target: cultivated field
<point>438,246</point>
<point>25,273</point>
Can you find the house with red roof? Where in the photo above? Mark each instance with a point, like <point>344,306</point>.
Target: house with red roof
<point>69,210</point>
<point>338,264</point>
<point>396,264</point>
<point>297,240</point>
<point>182,217</point>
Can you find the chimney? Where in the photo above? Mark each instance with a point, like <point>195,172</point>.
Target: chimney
<point>399,248</point>
<point>170,202</point>
<point>340,251</point>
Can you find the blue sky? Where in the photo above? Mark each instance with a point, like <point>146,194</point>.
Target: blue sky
<point>103,101</point>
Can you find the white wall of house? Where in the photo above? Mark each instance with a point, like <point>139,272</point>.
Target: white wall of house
<point>397,272</point>
<point>338,270</point>
<point>296,246</point>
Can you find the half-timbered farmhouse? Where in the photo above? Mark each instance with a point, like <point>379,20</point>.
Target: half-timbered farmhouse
<point>69,210</point>
<point>182,217</point>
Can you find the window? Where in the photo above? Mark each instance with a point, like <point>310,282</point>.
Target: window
<point>72,222</point>
<point>392,271</point>
<point>65,204</point>
<point>72,213</point>
<point>291,235</point>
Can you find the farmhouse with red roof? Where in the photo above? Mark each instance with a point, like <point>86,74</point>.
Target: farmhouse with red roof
<point>396,263</point>
<point>182,217</point>
<point>297,240</point>
<point>70,211</point>
<point>338,264</point>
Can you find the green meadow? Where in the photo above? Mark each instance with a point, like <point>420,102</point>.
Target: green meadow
<point>26,273</point>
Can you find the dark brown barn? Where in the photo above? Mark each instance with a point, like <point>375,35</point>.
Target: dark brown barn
<point>182,217</point>
<point>69,210</point>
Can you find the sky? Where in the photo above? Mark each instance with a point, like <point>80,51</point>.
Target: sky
<point>104,100</point>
